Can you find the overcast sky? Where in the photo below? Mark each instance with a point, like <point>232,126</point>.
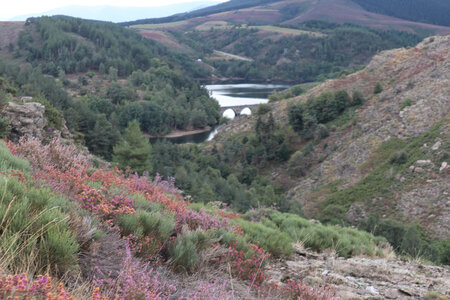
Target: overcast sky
<point>12,8</point>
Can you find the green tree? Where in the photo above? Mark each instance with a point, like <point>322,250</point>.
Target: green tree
<point>134,151</point>
<point>102,139</point>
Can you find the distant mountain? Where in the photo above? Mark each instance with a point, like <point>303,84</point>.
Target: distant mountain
<point>426,11</point>
<point>218,8</point>
<point>420,16</point>
<point>120,14</point>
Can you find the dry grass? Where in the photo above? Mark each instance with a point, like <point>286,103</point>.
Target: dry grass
<point>159,26</point>
<point>289,31</point>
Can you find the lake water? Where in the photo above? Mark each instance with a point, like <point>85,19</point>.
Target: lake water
<point>243,93</point>
<point>230,95</point>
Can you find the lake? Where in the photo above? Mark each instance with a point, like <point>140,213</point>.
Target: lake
<point>229,95</point>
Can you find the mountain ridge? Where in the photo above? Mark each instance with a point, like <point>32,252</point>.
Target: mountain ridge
<point>112,13</point>
<point>294,12</point>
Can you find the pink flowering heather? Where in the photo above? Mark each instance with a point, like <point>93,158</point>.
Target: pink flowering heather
<point>20,287</point>
<point>135,281</point>
<point>301,291</point>
<point>200,219</point>
<point>215,291</point>
<point>251,268</point>
<point>56,153</point>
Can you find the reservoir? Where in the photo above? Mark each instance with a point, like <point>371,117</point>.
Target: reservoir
<point>230,95</point>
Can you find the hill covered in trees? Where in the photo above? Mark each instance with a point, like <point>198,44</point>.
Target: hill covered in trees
<point>311,51</point>
<point>102,76</point>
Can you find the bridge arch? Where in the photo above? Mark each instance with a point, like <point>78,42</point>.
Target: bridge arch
<point>246,112</point>
<point>229,113</point>
<point>233,111</point>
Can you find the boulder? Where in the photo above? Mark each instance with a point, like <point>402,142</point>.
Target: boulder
<point>26,119</point>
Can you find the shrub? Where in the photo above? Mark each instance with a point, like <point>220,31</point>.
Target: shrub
<point>322,131</point>
<point>399,157</point>
<point>183,252</point>
<point>63,157</point>
<point>444,251</point>
<point>8,161</point>
<point>263,109</point>
<point>407,102</point>
<point>19,286</point>
<point>136,280</point>
<point>298,164</point>
<point>276,242</point>
<point>301,291</point>
<point>32,230</point>
<point>54,116</point>
<point>345,241</point>
<point>357,98</point>
<point>4,127</point>
<point>378,88</point>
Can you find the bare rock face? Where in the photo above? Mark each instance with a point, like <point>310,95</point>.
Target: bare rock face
<point>25,120</point>
<point>363,277</point>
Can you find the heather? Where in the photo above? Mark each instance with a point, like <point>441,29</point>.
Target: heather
<point>59,217</point>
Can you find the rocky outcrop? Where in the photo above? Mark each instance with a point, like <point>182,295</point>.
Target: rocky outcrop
<point>26,119</point>
<point>364,277</point>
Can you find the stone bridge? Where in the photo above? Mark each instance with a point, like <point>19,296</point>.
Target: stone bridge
<point>237,109</point>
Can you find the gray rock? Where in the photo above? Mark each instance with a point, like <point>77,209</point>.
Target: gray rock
<point>372,290</point>
<point>436,146</point>
<point>26,119</point>
<point>423,162</point>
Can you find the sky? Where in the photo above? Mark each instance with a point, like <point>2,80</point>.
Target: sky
<point>12,8</point>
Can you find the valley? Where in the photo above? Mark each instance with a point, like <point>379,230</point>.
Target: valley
<point>252,149</point>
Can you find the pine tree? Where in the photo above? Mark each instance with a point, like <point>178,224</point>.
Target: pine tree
<point>134,151</point>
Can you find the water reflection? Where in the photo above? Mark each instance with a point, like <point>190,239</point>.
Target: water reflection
<point>243,93</point>
<point>230,95</point>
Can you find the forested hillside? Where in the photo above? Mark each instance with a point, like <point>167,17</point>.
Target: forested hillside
<point>311,51</point>
<point>425,11</point>
<point>102,76</point>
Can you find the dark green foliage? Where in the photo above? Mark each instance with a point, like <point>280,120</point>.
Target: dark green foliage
<point>134,151</point>
<point>378,88</point>
<point>298,164</point>
<point>263,109</point>
<point>444,251</point>
<point>33,228</point>
<point>102,138</point>
<point>343,47</point>
<point>399,157</point>
<point>184,251</point>
<point>4,127</point>
<point>407,102</point>
<point>276,242</point>
<point>408,240</point>
<point>412,242</point>
<point>357,98</point>
<point>296,116</point>
<point>54,116</point>
<point>345,241</point>
<point>328,106</point>
<point>322,131</point>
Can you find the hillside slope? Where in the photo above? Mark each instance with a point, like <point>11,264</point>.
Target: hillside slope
<point>351,174</point>
<point>295,12</point>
